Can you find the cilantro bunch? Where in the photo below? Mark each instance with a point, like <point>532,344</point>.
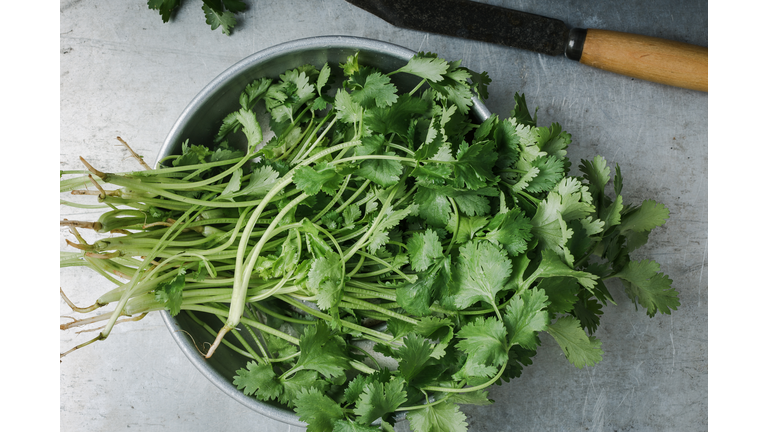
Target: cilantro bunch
<point>383,252</point>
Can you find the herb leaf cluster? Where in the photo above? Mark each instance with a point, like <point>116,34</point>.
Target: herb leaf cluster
<point>383,252</point>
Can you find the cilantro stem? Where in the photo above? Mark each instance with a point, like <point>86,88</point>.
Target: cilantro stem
<point>357,268</point>
<point>354,196</point>
<point>281,317</point>
<point>245,320</point>
<point>403,149</point>
<point>248,352</point>
<point>469,389</point>
<point>333,201</point>
<point>355,303</point>
<point>133,284</point>
<point>207,181</point>
<point>410,161</point>
<point>380,337</point>
<point>243,271</point>
<point>426,405</point>
<point>388,266</point>
<point>415,89</point>
<point>352,250</point>
<point>317,141</point>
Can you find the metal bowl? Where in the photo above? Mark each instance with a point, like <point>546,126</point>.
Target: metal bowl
<point>199,123</point>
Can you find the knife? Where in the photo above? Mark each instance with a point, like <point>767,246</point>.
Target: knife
<point>648,58</point>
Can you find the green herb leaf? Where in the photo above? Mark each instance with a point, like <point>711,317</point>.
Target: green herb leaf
<point>226,19</point>
<point>165,7</point>
<point>525,316</point>
<point>482,271</point>
<point>170,293</point>
<point>258,379</point>
<point>323,351</point>
<point>317,410</point>
<point>484,341</point>
<point>423,249</point>
<point>579,349</point>
<point>649,215</point>
<point>443,417</point>
<point>379,399</point>
<point>323,176</point>
<point>644,284</point>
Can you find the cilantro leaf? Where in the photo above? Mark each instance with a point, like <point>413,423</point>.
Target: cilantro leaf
<point>468,227</point>
<point>350,426</point>
<point>413,356</point>
<point>442,417</point>
<point>319,411</point>
<point>588,311</point>
<point>569,200</point>
<point>251,127</point>
<point>644,284</point>
<point>511,230</point>
<point>552,266</point>
<point>454,87</point>
<point>258,379</point>
<point>434,206</point>
<point>224,19</point>
<point>423,249</point>
<point>554,141</point>
<point>580,349</point>
<point>170,293</point>
<point>521,113</point>
<point>550,172</point>
<point>384,172</point>
<point>425,65</point>
<point>649,215</point>
<point>164,7</point>
<point>262,179</point>
<point>325,280</point>
<point>482,271</point>
<point>191,154</point>
<point>473,165</point>
<point>379,399</point>
<point>312,179</point>
<point>596,173</point>
<point>561,292</point>
<point>473,202</point>
<point>301,380</point>
<point>385,120</point>
<point>285,97</point>
<point>477,397</point>
<point>348,111</point>
<point>525,316</point>
<point>378,90</point>
<point>254,92</point>
<point>417,297</point>
<point>484,341</point>
<point>323,351</point>
<point>480,82</point>
<point>233,185</point>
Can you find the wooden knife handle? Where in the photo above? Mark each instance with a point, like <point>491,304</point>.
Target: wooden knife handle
<point>648,58</point>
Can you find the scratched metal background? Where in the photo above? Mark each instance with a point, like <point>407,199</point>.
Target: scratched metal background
<point>125,73</point>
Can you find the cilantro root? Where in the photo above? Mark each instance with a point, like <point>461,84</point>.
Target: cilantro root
<point>382,253</point>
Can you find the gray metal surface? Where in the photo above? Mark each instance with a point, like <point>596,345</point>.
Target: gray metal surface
<point>125,73</point>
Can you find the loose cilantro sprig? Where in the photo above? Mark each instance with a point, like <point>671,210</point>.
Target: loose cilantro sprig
<point>384,253</point>
<point>218,13</point>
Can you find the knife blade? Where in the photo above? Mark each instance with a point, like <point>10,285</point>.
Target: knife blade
<point>644,57</point>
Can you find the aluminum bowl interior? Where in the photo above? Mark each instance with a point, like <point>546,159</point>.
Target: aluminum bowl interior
<point>199,123</point>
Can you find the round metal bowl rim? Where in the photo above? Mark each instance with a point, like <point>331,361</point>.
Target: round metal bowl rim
<point>296,46</point>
